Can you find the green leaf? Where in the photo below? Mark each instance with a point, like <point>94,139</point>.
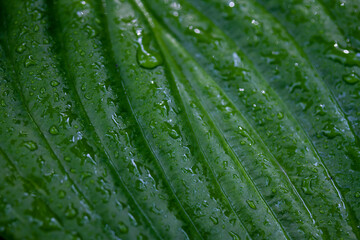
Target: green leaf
<point>191,119</point>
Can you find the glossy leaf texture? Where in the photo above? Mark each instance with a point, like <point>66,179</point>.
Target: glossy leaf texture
<point>179,119</point>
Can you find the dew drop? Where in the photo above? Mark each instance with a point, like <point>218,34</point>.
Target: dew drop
<point>245,134</point>
<point>357,194</point>
<point>91,31</point>
<point>330,131</point>
<point>174,134</point>
<point>21,48</point>
<point>225,164</point>
<point>214,220</point>
<point>306,186</point>
<point>123,228</point>
<point>280,115</point>
<point>32,146</point>
<point>54,83</point>
<point>351,78</point>
<point>53,130</point>
<point>88,96</point>
<point>155,210</point>
<point>61,194</point>
<point>320,110</point>
<point>347,57</point>
<point>146,57</point>
<point>251,204</point>
<point>70,212</point>
<point>141,237</point>
<point>140,185</point>
<point>29,61</point>
<point>75,236</point>
<point>234,236</point>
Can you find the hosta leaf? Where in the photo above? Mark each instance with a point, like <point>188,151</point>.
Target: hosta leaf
<point>192,119</point>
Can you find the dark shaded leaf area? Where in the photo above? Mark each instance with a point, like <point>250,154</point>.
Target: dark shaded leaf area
<point>180,119</point>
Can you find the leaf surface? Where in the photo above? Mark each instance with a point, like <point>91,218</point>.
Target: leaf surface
<point>156,119</point>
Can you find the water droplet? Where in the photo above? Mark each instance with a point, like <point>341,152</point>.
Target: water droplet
<point>225,164</point>
<point>53,130</point>
<point>348,57</point>
<point>70,212</point>
<point>330,131</point>
<point>75,236</point>
<point>141,237</point>
<point>83,87</point>
<point>90,30</point>
<point>54,83</point>
<point>251,204</point>
<point>146,57</point>
<point>155,210</point>
<point>67,159</point>
<point>132,220</point>
<point>174,134</point>
<point>140,185</point>
<point>351,78</point>
<point>306,186</point>
<point>21,48</point>
<point>88,96</point>
<point>29,61</point>
<point>61,194</point>
<point>31,145</point>
<point>56,97</point>
<point>205,203</point>
<point>357,194</point>
<point>320,110</point>
<point>123,228</point>
<point>234,236</point>
<point>50,224</point>
<point>214,220</point>
<point>245,134</point>
<point>280,115</point>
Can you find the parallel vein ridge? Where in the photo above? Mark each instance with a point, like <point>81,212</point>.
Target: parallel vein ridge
<point>179,119</point>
